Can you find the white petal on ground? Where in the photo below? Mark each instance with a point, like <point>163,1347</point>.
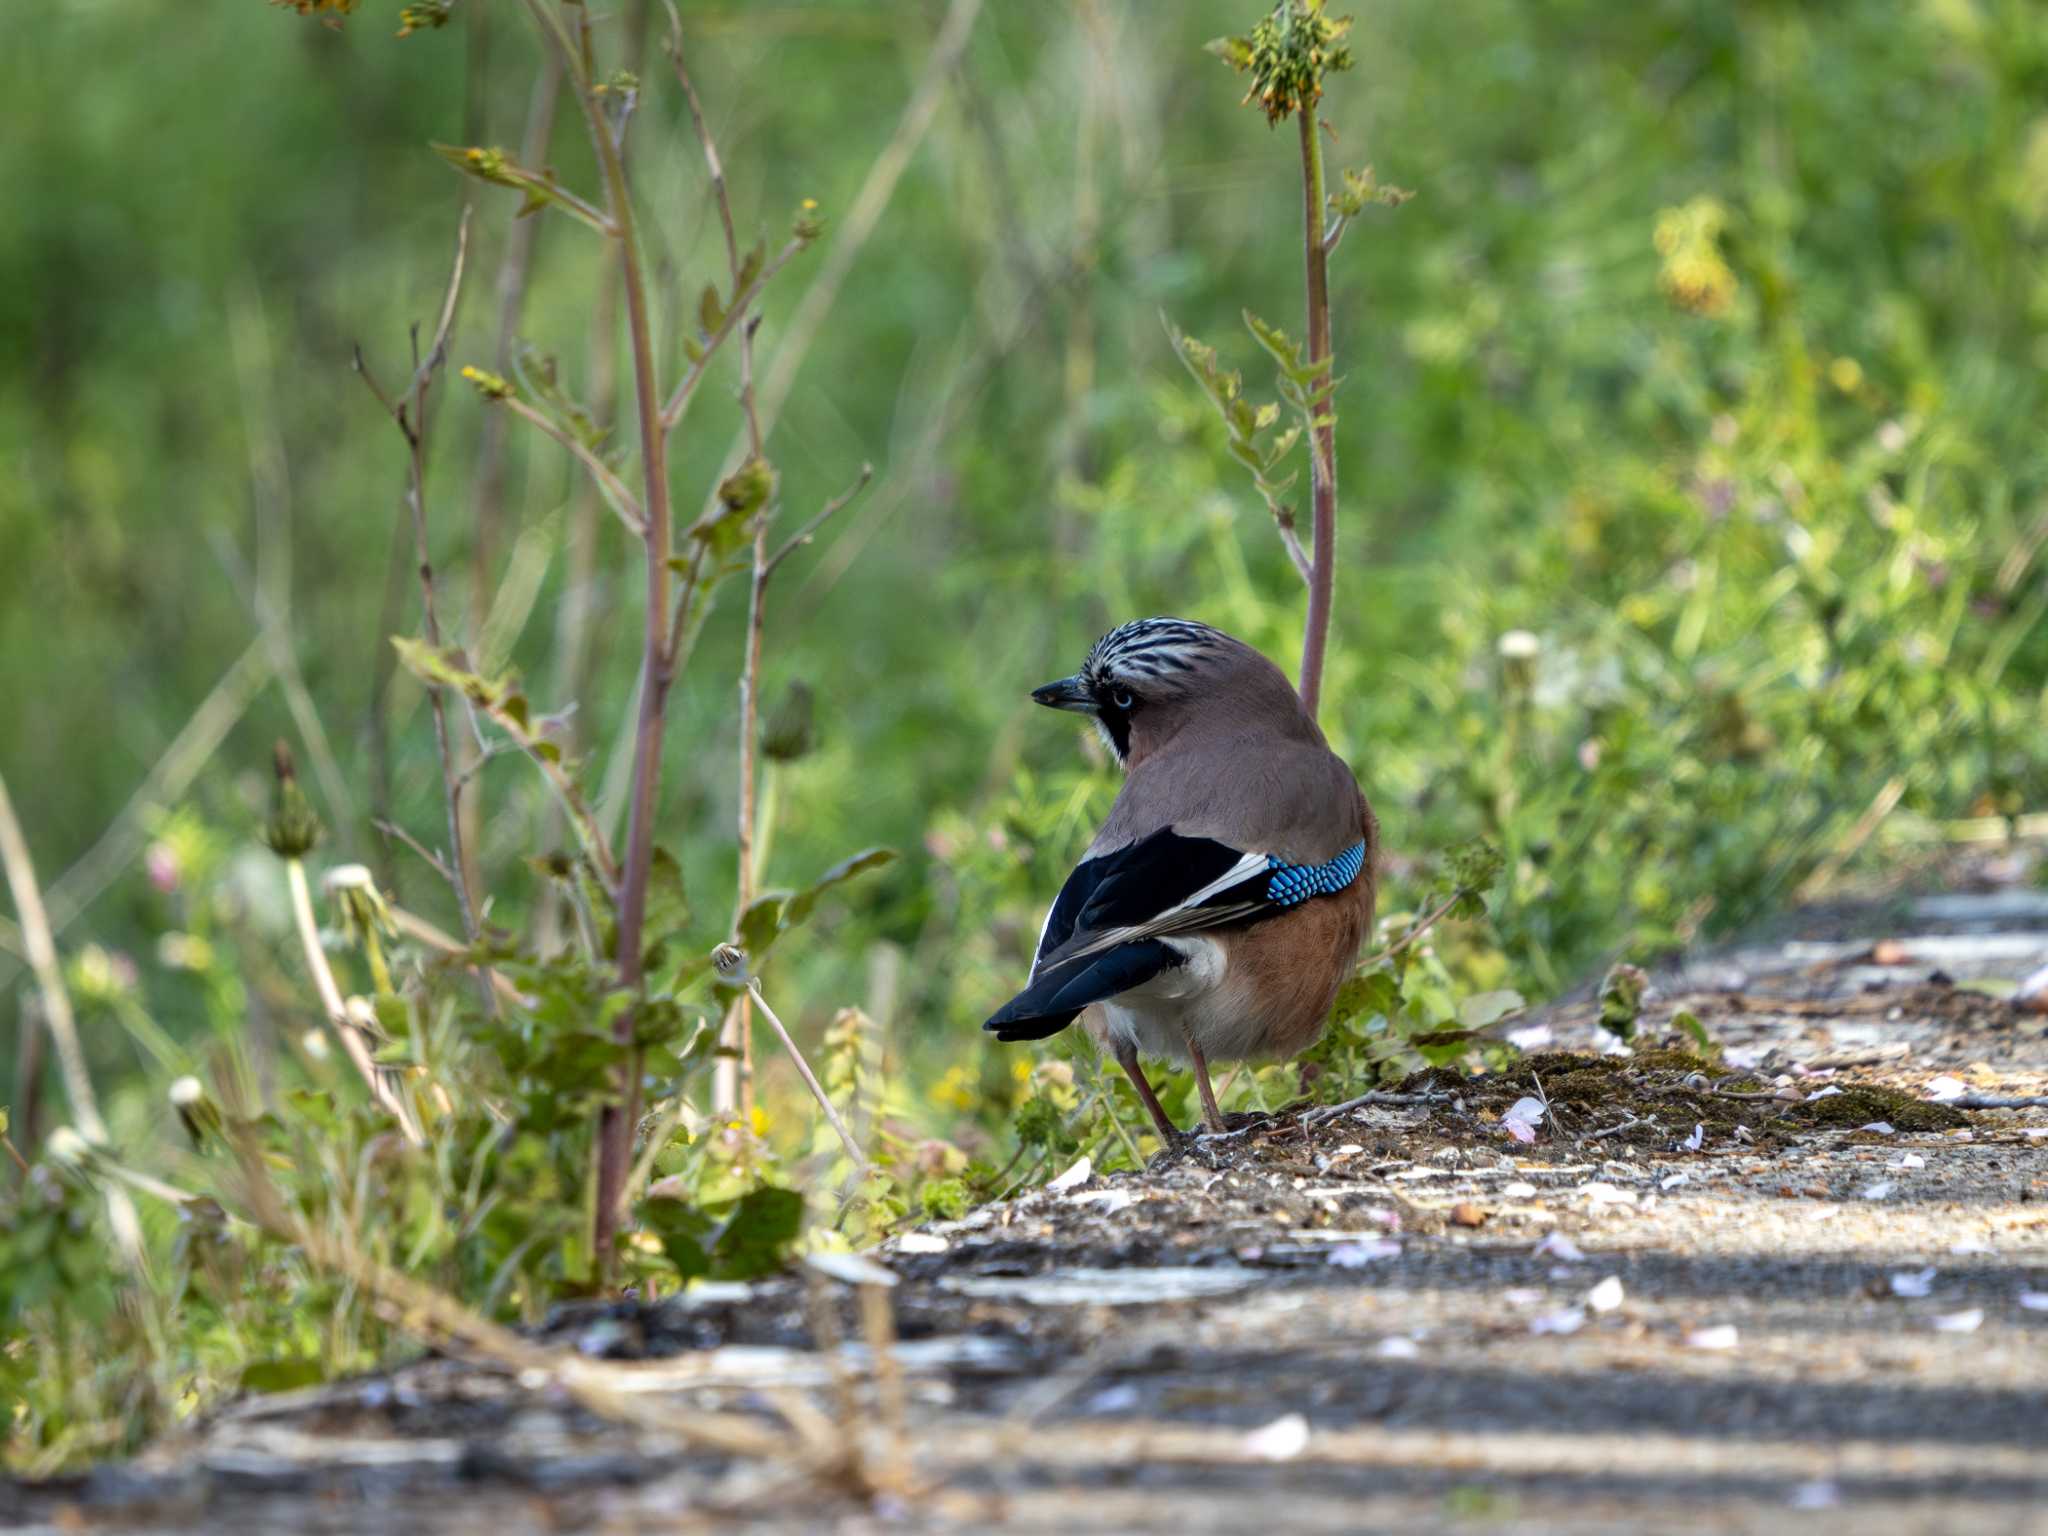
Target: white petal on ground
<point>1967,1321</point>
<point>1880,1128</point>
<point>1697,1139</point>
<point>1816,1495</point>
<point>1558,1246</point>
<point>1907,1160</point>
<point>1073,1178</point>
<point>1358,1255</point>
<point>1110,1200</point>
<point>1945,1088</point>
<point>1518,1189</point>
<point>1720,1336</point>
<point>1282,1440</point>
<point>921,1242</point>
<point>1522,1118</point>
<point>1605,1296</point>
<point>1673,1180</point>
<point>1121,1398</point>
<point>2034,1301</point>
<point>1398,1348</point>
<point>1913,1282</point>
<point>1879,1191</point>
<point>1565,1320</point>
<point>1822,1093</point>
<point>1521,1295</point>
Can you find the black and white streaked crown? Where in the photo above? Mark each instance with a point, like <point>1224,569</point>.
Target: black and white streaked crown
<point>1152,648</point>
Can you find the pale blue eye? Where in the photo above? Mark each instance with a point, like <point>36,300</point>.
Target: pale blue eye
<point>1121,699</point>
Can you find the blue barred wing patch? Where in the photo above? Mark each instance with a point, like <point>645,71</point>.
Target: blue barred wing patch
<point>1291,884</point>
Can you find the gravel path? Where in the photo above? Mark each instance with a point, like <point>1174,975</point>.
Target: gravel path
<point>1398,1319</point>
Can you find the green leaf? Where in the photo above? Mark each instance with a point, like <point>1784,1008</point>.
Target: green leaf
<point>1441,1047</point>
<point>1362,996</point>
<point>1474,866</point>
<point>846,869</point>
<point>729,1239</point>
<point>1040,1124</point>
<point>761,924</point>
<point>710,313</point>
<point>750,267</point>
<point>1688,1022</point>
<point>1621,999</point>
<point>757,1233</point>
<point>667,908</point>
<point>1484,1008</point>
<point>685,1233</point>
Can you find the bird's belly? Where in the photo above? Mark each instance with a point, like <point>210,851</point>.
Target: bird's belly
<point>1194,999</point>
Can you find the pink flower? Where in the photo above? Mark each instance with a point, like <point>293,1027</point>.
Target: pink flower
<point>162,867</point>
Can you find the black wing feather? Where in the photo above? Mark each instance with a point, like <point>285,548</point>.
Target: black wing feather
<point>1058,993</point>
<point>1134,885</point>
<point>1122,889</point>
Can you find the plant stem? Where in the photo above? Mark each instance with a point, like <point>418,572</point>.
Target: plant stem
<point>1322,572</point>
<point>810,1078</point>
<point>332,1005</point>
<point>63,1024</point>
<point>615,1122</point>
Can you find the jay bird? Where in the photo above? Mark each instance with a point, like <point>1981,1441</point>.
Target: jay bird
<point>1227,894</point>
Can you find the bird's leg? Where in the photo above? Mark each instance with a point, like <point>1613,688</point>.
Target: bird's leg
<point>1211,1115</point>
<point>1127,1058</point>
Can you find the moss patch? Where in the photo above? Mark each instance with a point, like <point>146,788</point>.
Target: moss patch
<point>1861,1105</point>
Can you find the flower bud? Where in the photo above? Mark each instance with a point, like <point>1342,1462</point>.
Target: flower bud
<point>293,828</point>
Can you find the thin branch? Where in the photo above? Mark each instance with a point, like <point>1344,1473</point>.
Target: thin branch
<point>616,495</point>
<point>1322,573</point>
<point>410,416</point>
<point>615,1126</point>
<point>1292,542</point>
<point>42,954</point>
<point>420,931</point>
<point>810,1078</point>
<point>809,531</point>
<point>1417,929</point>
<point>433,860</point>
<point>679,401</point>
<point>739,1022</point>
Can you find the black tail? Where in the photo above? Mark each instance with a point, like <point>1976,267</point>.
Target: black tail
<point>1059,993</point>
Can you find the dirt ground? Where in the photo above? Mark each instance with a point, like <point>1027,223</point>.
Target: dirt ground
<point>1785,1287</point>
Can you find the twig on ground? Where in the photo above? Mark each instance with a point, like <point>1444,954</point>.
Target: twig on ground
<point>1615,1130</point>
<point>1330,1112</point>
<point>1985,1101</point>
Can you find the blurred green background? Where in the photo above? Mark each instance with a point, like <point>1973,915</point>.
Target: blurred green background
<point>1708,353</point>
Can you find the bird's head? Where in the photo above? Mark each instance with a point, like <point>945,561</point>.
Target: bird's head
<point>1146,681</point>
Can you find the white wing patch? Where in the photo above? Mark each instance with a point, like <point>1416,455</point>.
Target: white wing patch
<point>1187,913</point>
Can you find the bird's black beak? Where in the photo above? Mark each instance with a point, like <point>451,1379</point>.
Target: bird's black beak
<point>1067,693</point>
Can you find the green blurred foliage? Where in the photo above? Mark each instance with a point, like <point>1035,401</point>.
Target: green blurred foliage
<point>1688,426</point>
